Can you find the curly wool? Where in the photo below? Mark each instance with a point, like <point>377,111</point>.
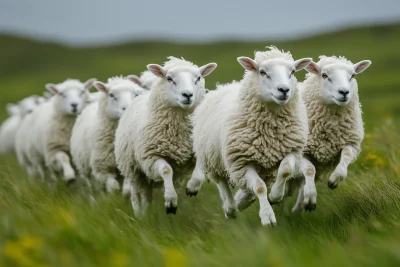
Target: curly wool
<point>331,127</point>
<point>233,128</point>
<point>149,130</point>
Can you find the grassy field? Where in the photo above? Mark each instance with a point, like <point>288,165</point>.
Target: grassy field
<point>357,224</point>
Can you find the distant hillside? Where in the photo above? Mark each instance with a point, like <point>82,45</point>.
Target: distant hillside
<point>27,65</point>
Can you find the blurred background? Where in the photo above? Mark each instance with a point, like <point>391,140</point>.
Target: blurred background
<point>47,41</point>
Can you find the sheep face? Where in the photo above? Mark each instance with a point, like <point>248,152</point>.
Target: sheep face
<point>184,85</point>
<point>119,96</point>
<point>275,77</point>
<point>337,81</point>
<point>72,95</point>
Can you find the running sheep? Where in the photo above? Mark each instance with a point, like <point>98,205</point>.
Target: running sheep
<point>153,142</point>
<point>336,129</point>
<point>46,148</point>
<point>92,139</point>
<point>251,129</point>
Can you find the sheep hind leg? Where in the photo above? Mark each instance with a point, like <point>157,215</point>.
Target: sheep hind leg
<point>68,172</point>
<point>257,185</point>
<point>197,179</point>
<point>244,199</point>
<point>228,201</point>
<point>141,196</point>
<point>309,190</point>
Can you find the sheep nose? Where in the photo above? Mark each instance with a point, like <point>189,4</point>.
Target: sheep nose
<point>187,95</point>
<point>74,105</point>
<point>123,108</point>
<point>344,92</point>
<point>283,89</point>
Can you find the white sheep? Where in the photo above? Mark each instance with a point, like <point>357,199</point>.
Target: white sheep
<point>46,147</point>
<point>147,79</point>
<point>153,142</point>
<point>336,129</point>
<point>249,129</point>
<point>9,127</point>
<point>92,139</point>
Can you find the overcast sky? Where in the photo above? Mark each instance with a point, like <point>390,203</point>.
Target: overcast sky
<point>88,22</point>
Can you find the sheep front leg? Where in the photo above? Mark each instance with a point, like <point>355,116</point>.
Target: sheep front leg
<point>339,175</point>
<point>164,170</point>
<point>257,185</point>
<point>63,160</point>
<point>112,185</point>
<point>197,179</point>
<point>126,187</point>
<point>286,169</point>
<point>244,199</point>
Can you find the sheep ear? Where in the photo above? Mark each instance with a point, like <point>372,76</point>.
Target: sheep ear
<point>361,66</point>
<point>302,63</point>
<point>101,87</point>
<point>12,109</point>
<point>157,70</point>
<point>89,83</point>
<point>207,69</point>
<point>134,79</point>
<point>52,88</point>
<point>312,68</point>
<point>247,63</point>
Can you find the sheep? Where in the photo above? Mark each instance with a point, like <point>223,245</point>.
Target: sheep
<point>249,129</point>
<point>336,130</point>
<point>147,79</point>
<point>50,126</point>
<point>153,142</point>
<point>92,139</point>
<point>10,126</point>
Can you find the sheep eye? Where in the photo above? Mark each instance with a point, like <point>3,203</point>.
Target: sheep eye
<point>198,79</point>
<point>62,94</point>
<point>263,73</point>
<point>292,73</point>
<point>112,95</point>
<point>352,76</point>
<point>169,79</point>
<point>324,76</point>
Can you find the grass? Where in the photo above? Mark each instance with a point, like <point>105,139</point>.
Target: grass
<point>357,224</point>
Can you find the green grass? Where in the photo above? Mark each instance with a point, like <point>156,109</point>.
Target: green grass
<point>357,224</point>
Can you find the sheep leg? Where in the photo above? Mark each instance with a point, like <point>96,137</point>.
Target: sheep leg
<point>339,175</point>
<point>228,201</point>
<point>112,185</point>
<point>298,207</point>
<point>126,187</point>
<point>244,199</point>
<point>141,195</point>
<point>64,161</point>
<point>308,189</point>
<point>257,185</point>
<point>164,170</point>
<point>285,171</point>
<point>197,179</point>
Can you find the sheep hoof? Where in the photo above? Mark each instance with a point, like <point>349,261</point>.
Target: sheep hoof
<point>332,185</point>
<point>71,181</point>
<point>171,210</point>
<point>310,207</point>
<point>191,193</point>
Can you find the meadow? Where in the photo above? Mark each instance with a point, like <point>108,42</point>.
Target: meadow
<point>357,224</point>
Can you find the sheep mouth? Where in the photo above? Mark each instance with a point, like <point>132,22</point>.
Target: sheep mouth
<point>186,102</point>
<point>342,100</point>
<point>282,97</point>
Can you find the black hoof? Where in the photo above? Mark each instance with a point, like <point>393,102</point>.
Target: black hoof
<point>331,185</point>
<point>310,207</point>
<point>170,210</point>
<point>190,193</point>
<point>71,181</point>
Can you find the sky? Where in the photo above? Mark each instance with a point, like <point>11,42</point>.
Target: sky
<point>100,22</point>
